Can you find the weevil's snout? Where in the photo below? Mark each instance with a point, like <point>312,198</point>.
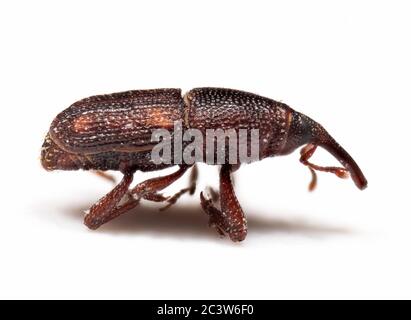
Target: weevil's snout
<point>332,146</point>
<point>303,130</point>
<point>54,158</point>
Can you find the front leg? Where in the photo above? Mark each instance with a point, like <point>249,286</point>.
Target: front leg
<point>230,219</point>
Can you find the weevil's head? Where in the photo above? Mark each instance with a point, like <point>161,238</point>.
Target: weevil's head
<point>55,158</point>
<point>299,133</point>
<point>304,130</point>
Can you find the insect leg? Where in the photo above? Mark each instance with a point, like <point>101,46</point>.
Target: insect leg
<point>149,189</point>
<point>108,208</point>
<point>230,219</point>
<point>106,176</point>
<point>190,189</point>
<point>215,195</point>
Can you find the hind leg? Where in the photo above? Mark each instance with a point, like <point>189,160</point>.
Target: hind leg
<point>108,207</point>
<point>106,176</point>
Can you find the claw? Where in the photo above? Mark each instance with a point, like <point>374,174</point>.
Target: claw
<point>212,212</point>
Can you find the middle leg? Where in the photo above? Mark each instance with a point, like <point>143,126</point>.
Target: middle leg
<point>150,188</point>
<point>190,189</point>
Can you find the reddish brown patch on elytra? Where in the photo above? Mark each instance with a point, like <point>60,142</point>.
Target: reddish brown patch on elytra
<point>83,124</point>
<point>158,117</point>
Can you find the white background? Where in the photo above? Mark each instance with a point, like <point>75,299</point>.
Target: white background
<point>346,64</point>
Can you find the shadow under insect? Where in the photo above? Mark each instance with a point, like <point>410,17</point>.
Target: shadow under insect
<point>190,221</point>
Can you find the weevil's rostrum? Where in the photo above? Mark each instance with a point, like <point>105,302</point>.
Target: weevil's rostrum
<point>114,132</point>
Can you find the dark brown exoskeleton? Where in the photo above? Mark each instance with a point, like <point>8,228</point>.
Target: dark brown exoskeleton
<point>114,132</point>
